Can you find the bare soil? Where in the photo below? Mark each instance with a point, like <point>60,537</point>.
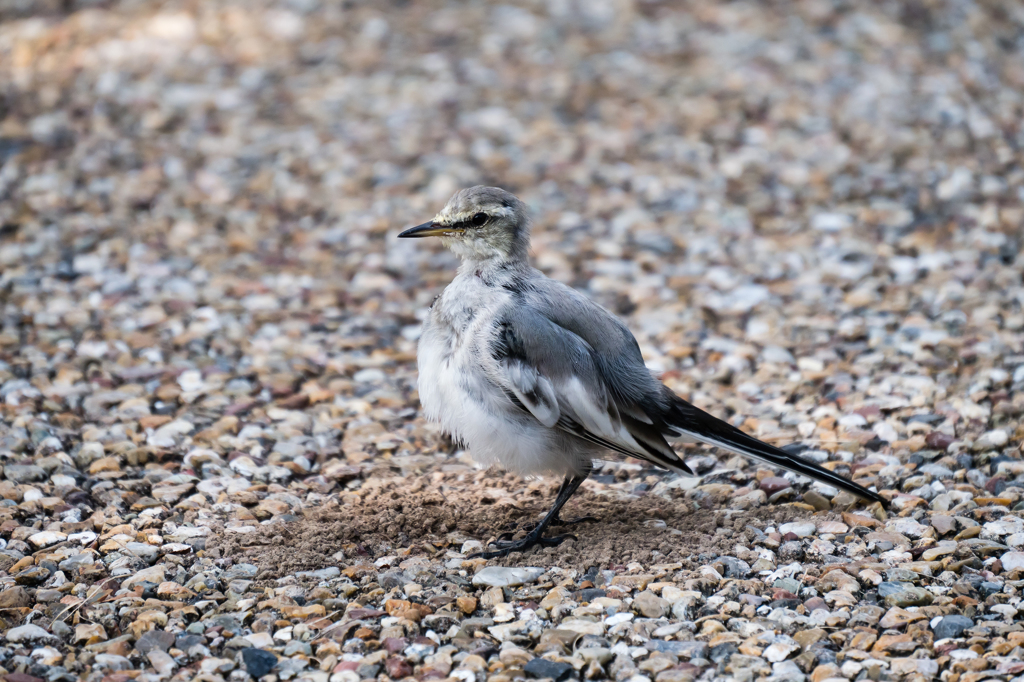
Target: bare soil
<point>408,513</point>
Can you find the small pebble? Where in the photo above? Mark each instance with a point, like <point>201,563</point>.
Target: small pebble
<point>501,576</point>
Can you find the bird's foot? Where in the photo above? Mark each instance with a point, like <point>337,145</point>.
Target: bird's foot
<point>573,522</point>
<point>506,545</point>
<point>529,526</point>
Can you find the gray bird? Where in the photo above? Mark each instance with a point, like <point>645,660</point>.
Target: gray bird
<point>534,376</point>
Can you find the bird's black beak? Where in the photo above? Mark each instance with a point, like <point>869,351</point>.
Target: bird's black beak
<point>430,229</point>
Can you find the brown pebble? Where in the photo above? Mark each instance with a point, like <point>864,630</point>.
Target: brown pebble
<point>817,500</point>
<point>938,440</point>
<point>968,533</point>
<point>466,604</point>
<point>774,484</point>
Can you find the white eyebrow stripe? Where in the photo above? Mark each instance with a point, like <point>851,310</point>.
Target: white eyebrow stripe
<point>465,217</point>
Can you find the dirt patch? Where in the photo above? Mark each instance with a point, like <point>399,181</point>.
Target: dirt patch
<point>408,514</point>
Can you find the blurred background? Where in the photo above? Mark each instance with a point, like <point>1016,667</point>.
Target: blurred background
<point>792,202</point>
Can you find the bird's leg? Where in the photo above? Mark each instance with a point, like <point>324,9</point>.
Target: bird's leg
<point>558,520</point>
<point>535,536</point>
<point>554,523</point>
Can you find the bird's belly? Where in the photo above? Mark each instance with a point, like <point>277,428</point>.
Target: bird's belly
<point>456,394</point>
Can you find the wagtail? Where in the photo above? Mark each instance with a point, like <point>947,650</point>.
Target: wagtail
<point>534,376</point>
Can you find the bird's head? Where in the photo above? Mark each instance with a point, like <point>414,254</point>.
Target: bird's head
<point>480,223</point>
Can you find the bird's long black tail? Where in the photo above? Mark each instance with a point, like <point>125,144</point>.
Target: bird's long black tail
<point>692,422</point>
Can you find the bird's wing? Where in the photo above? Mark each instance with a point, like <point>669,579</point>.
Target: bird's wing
<point>557,376</point>
<point>648,410</point>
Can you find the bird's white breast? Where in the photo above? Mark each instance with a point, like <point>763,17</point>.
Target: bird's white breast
<point>451,383</point>
<point>457,392</point>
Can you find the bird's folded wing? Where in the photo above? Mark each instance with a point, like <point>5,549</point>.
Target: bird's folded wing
<point>599,379</point>
<point>554,374</point>
<point>534,391</point>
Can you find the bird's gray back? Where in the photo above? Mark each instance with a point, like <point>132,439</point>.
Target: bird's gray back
<point>615,351</point>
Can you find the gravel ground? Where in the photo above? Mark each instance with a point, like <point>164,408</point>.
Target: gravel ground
<point>214,466</point>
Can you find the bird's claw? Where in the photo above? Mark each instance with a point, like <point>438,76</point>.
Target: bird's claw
<point>525,527</point>
<point>530,526</point>
<point>572,522</point>
<point>506,547</point>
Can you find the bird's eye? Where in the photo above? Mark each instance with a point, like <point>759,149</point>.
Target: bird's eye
<point>478,220</point>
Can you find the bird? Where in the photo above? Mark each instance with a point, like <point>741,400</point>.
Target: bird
<point>534,376</point>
